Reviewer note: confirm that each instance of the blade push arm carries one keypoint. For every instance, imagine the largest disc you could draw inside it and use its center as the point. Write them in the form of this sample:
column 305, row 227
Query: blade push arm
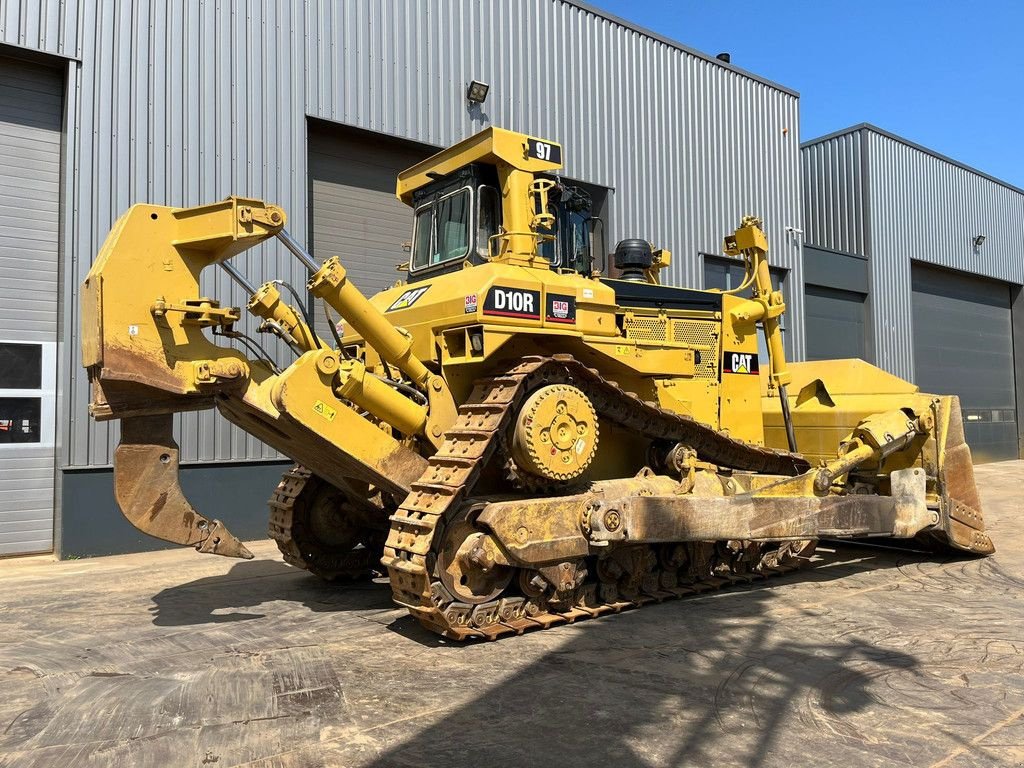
column 765, row 306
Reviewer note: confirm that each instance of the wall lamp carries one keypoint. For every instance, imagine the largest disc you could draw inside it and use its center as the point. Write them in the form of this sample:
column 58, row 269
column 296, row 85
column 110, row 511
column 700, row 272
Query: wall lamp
column 476, row 93
column 979, row 240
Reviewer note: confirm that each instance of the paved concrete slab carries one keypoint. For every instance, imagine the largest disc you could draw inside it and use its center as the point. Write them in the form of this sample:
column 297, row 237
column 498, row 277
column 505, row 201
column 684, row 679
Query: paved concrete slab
column 875, row 658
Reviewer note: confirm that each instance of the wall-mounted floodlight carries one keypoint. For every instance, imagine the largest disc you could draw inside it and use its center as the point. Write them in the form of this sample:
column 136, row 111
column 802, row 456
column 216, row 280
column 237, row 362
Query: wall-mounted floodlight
column 979, row 240
column 476, row 93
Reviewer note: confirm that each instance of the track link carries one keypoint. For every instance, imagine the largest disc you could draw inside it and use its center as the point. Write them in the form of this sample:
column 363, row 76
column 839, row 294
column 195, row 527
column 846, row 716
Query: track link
column 471, row 445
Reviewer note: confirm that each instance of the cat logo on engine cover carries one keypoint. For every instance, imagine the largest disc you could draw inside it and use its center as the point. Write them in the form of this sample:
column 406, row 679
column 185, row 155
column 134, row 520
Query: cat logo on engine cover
column 408, row 298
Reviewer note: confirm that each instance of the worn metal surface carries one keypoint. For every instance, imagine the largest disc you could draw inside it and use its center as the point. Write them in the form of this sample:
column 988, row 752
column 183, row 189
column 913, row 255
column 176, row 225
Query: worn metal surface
column 148, row 493
column 874, row 658
column 149, row 120
column 651, row 510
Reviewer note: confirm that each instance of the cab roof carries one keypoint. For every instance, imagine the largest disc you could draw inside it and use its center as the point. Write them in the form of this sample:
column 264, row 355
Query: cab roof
column 491, row 146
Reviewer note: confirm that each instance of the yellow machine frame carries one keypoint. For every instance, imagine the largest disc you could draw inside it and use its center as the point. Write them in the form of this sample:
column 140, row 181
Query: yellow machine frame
column 381, row 411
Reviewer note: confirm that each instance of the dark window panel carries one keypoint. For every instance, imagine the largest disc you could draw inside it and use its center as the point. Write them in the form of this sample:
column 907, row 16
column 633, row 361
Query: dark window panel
column 19, row 419
column 21, row 366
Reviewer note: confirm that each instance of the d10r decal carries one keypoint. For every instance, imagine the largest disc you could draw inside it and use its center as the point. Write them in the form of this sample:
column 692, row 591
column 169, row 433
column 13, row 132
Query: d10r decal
column 740, row 362
column 513, row 302
column 408, row 298
column 560, row 309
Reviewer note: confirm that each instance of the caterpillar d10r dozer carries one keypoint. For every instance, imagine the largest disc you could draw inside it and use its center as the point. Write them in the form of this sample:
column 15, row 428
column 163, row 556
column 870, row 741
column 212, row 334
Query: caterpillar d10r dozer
column 520, row 439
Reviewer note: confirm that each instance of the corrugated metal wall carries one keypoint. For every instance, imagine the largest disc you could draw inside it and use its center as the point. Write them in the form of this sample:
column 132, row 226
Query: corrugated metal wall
column 870, row 193
column 51, row 26
column 182, row 103
column 833, row 194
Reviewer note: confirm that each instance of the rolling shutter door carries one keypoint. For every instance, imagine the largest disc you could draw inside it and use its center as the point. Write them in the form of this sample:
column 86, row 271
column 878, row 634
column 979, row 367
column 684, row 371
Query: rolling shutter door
column 355, row 214
column 963, row 346
column 834, row 321
column 31, row 108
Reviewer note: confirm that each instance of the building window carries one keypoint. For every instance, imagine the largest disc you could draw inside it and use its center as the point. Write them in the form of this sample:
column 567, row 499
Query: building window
column 27, row 372
column 21, row 365
column 727, row 274
column 20, row 419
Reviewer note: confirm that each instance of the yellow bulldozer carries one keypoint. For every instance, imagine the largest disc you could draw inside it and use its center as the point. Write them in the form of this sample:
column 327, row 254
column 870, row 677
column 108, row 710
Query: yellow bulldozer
column 525, row 431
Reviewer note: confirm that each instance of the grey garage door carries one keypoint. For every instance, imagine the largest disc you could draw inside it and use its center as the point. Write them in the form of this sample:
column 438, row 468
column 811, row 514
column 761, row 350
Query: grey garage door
column 835, row 322
column 31, row 100
column 963, row 346
column 355, row 214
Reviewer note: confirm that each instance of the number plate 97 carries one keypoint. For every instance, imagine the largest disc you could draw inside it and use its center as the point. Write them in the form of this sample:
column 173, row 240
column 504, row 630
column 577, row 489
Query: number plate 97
column 544, row 150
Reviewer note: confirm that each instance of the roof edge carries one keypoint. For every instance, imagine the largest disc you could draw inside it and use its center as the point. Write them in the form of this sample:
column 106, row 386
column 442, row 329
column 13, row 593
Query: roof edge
column 913, row 145
column 583, row 6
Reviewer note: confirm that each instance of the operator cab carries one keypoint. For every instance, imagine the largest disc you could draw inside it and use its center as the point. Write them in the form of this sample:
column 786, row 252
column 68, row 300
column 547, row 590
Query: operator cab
column 458, row 217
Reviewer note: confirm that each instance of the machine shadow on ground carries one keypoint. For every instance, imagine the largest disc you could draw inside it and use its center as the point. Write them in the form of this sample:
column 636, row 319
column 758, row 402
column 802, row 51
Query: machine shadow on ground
column 790, row 671
column 233, row 596
column 685, row 683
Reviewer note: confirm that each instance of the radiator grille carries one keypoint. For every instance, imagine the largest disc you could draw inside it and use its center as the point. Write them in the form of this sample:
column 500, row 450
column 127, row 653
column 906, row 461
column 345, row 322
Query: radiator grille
column 695, row 333
column 646, row 328
column 699, row 335
column 703, row 337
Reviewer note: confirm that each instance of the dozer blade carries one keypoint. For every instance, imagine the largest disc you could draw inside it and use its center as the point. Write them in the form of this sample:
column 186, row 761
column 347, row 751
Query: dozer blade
column 963, row 525
column 149, row 495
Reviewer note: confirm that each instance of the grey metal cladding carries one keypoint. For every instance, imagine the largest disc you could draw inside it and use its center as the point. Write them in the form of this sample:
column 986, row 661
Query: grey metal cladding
column 935, row 209
column 833, row 195
column 928, row 209
column 50, row 26
column 182, row 103
column 869, row 192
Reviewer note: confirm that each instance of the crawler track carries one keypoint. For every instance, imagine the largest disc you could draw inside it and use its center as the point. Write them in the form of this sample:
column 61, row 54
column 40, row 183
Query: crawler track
column 472, row 445
column 290, row 528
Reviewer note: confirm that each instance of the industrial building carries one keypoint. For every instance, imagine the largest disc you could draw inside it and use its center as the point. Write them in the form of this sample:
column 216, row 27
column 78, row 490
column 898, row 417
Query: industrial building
column 316, row 107
column 912, row 261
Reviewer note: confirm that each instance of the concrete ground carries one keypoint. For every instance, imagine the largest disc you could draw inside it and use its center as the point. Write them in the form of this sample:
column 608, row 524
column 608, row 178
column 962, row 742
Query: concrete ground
column 875, row 658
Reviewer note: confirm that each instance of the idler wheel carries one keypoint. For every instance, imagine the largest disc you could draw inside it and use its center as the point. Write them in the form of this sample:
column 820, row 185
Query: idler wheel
column 462, row 566
column 556, row 433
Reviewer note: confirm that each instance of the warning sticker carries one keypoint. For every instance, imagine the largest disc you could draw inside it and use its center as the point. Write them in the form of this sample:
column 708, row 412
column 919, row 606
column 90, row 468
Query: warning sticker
column 324, row 410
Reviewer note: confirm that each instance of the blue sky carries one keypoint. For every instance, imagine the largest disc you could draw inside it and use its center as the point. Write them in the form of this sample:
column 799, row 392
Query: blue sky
column 948, row 75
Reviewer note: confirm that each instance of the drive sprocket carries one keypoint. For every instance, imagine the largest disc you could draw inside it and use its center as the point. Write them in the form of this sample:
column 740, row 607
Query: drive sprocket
column 555, row 434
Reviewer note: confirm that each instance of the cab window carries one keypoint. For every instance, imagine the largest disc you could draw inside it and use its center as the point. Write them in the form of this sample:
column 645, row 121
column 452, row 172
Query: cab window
column 423, row 235
column 488, row 220
column 442, row 230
